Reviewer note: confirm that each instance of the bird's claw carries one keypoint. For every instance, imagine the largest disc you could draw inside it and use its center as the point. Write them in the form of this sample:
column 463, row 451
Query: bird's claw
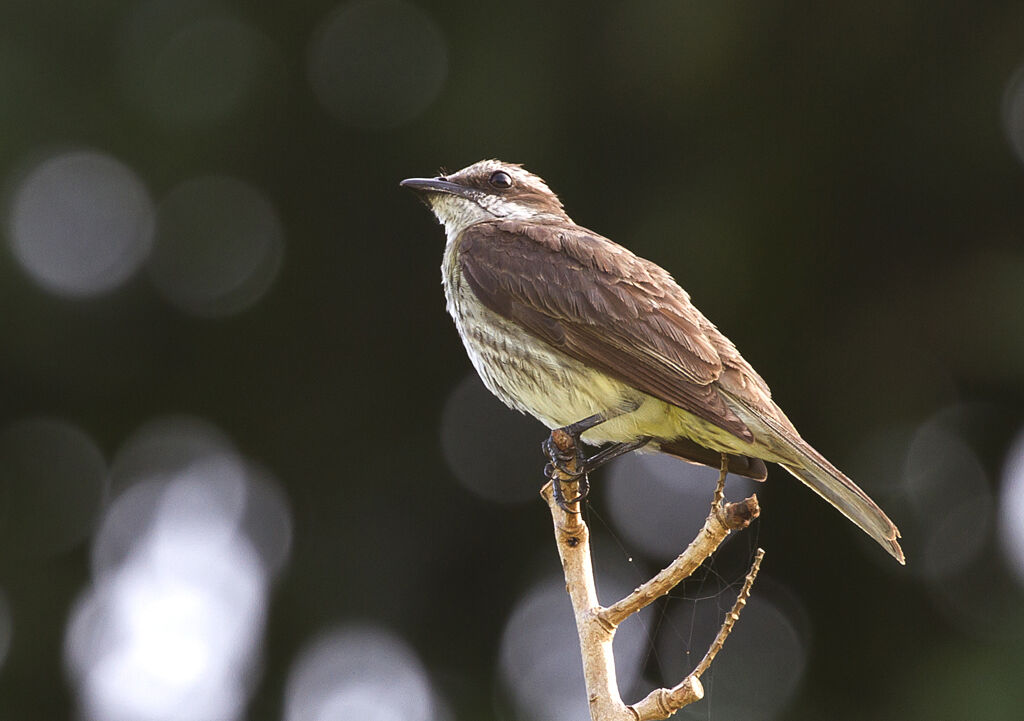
column 583, row 489
column 566, row 465
column 563, row 459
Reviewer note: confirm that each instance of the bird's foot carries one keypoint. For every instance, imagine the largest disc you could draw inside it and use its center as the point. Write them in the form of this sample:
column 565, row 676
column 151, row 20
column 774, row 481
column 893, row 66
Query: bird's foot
column 566, row 464
column 557, row 478
column 564, row 453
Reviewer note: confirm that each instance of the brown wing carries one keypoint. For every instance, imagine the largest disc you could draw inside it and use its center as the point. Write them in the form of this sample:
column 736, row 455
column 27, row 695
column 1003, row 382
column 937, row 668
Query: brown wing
column 598, row 303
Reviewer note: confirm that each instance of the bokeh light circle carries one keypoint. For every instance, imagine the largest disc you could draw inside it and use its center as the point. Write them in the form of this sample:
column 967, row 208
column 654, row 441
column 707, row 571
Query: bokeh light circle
column 760, row 668
column 377, row 63
column 164, row 446
column 658, row 502
column 81, row 223
column 179, row 594
column 219, row 246
column 267, row 518
column 493, row 451
column 154, row 455
column 170, row 448
column 361, row 672
column 1011, row 508
column 194, row 62
column 53, row 485
column 540, row 651
column 945, row 509
column 947, row 492
column 206, row 71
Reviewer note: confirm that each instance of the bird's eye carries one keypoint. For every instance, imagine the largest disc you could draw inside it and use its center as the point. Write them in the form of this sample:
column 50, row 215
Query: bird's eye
column 500, row 179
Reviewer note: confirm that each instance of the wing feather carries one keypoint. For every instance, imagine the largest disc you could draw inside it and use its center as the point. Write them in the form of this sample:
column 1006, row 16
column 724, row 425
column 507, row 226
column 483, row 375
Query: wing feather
column 604, row 306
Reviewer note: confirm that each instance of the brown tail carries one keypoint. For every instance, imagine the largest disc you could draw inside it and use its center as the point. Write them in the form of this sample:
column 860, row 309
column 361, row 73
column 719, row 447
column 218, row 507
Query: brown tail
column 831, row 484
column 795, row 455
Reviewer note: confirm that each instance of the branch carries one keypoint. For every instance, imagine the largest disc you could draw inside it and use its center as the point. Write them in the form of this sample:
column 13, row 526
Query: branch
column 733, row 617
column 662, row 703
column 722, row 520
column 596, row 625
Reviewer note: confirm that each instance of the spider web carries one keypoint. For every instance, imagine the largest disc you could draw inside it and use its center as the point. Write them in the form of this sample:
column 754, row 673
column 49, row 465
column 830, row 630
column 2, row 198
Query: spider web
column 680, row 626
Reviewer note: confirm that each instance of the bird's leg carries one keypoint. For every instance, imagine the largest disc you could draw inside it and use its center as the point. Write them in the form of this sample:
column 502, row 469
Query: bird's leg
column 563, row 447
column 567, row 463
column 613, row 451
column 595, row 461
column 719, row 496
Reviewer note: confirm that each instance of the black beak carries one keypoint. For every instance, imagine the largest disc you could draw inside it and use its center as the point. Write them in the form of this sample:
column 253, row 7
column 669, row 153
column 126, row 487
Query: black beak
column 438, row 185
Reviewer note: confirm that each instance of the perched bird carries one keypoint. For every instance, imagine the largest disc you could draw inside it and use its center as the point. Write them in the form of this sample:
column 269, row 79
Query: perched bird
column 585, row 336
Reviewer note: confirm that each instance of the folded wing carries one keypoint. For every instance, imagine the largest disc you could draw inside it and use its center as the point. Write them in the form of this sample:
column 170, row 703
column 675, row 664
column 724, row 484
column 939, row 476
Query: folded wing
column 599, row 303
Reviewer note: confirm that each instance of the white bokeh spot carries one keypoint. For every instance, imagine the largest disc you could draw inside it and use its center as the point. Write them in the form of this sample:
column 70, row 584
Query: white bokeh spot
column 658, row 502
column 219, row 246
column 1011, row 508
column 80, row 223
column 540, row 652
column 359, row 671
column 180, row 581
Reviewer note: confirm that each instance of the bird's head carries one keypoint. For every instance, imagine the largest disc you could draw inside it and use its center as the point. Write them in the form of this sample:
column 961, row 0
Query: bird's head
column 487, row 190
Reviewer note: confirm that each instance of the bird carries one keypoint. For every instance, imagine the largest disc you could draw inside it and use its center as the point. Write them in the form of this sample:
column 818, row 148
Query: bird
column 576, row 330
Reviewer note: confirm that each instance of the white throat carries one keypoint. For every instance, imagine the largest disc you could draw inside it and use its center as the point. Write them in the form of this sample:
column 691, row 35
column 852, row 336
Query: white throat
column 457, row 213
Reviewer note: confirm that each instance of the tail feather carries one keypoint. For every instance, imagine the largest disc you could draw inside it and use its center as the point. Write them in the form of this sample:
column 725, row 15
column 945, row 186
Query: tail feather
column 831, row 484
column 774, row 431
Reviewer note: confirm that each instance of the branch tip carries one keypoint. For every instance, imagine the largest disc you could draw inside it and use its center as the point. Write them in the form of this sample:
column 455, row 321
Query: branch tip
column 562, row 440
column 739, row 515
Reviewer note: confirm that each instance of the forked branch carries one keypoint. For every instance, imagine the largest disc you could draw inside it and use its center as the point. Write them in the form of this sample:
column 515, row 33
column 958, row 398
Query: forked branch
column 596, row 625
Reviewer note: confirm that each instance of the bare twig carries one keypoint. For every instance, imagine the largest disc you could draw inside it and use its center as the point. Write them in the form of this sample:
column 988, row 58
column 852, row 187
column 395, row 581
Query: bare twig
column 733, row 617
column 596, row 625
column 720, row 522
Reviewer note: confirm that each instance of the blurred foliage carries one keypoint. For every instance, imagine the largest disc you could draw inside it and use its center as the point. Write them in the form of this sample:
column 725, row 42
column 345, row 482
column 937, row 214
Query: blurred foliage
column 832, row 183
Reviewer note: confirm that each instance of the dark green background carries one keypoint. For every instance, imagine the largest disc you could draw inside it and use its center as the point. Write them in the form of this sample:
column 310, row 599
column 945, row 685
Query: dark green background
column 831, row 182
